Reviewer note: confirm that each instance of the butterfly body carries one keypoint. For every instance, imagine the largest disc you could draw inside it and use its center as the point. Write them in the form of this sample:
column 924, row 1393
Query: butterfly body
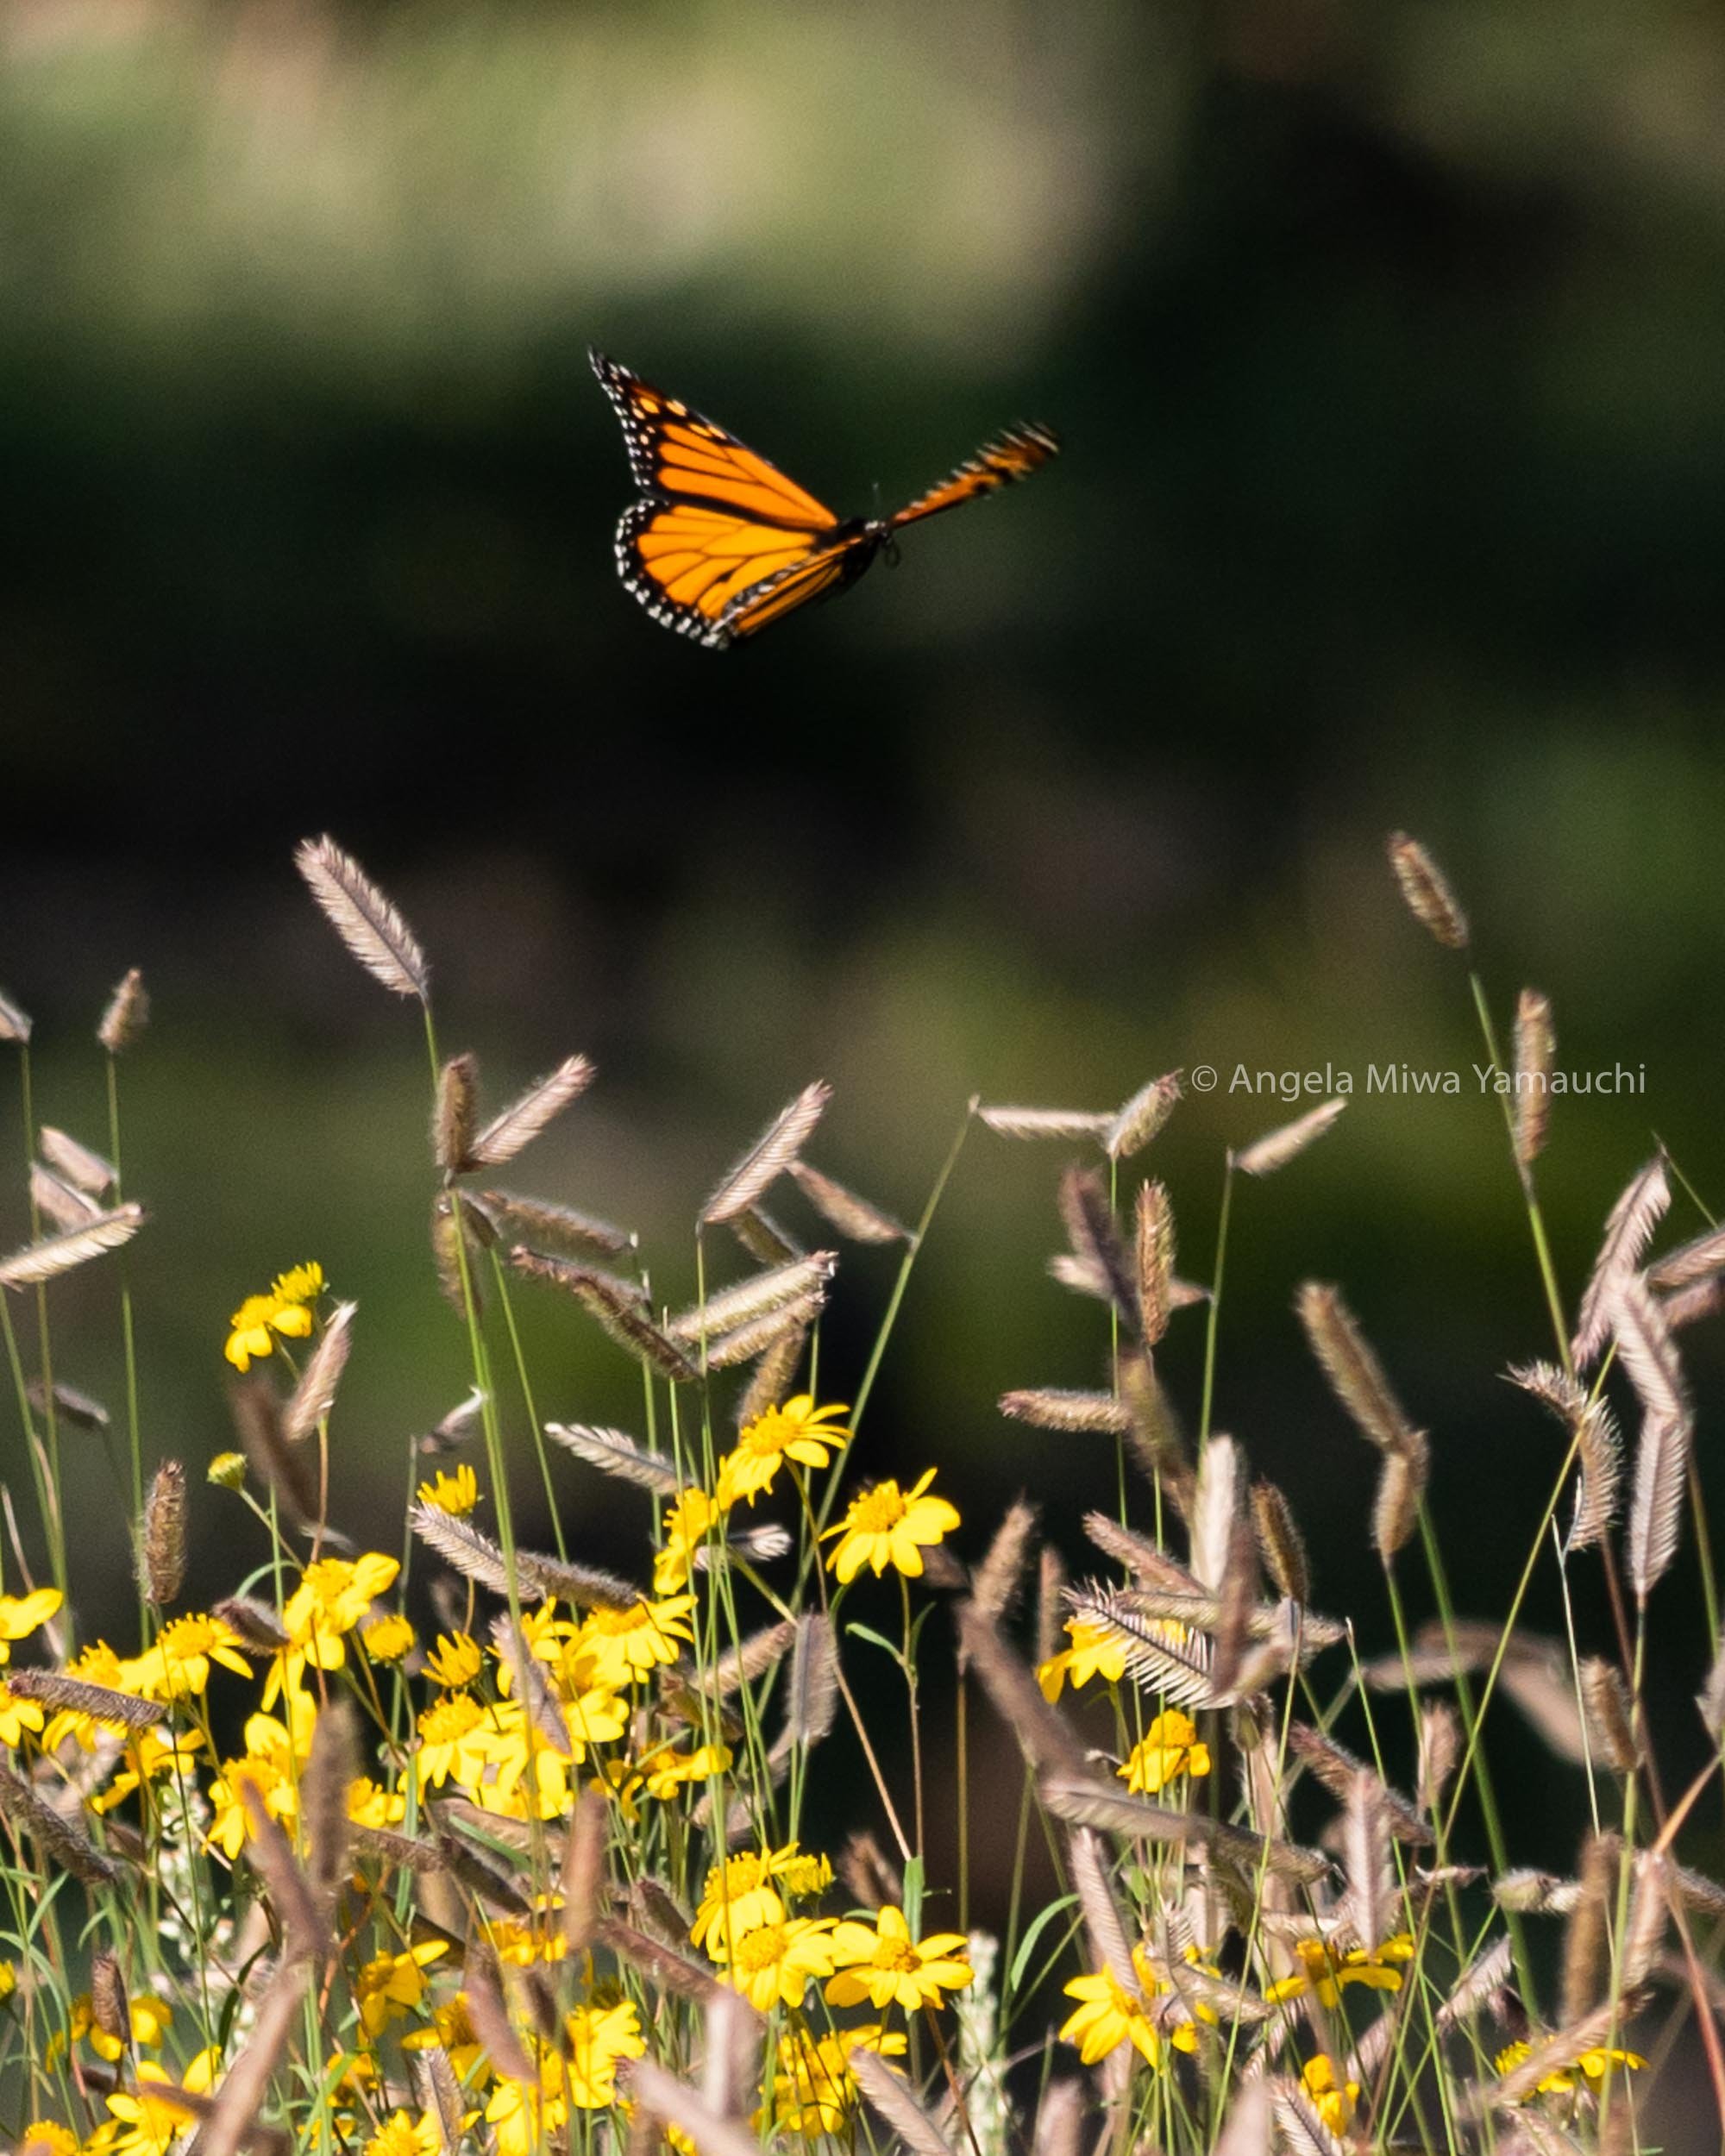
column 722, row 542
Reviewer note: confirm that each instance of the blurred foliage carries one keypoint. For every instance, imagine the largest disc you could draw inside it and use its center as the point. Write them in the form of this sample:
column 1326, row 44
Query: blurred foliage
column 1389, row 346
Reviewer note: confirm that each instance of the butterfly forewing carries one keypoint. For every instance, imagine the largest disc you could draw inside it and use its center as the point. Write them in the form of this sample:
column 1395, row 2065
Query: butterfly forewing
column 1014, row 455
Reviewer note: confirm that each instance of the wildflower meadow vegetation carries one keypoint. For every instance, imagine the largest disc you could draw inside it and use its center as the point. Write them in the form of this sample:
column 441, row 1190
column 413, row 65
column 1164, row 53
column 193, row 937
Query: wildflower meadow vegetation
column 423, row 1840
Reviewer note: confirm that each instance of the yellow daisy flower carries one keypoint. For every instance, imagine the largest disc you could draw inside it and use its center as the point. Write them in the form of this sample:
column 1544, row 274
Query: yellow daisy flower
column 390, row 1986
column 1170, row 1749
column 616, row 1648
column 1334, row 2101
column 22, row 1614
column 814, row 2091
column 691, row 1518
column 455, row 1494
column 401, row 2134
column 885, row 1965
column 799, row 1431
column 177, row 1666
column 1093, row 1654
column 744, row 1892
column 283, row 1310
column 454, row 1662
column 773, row 1964
column 1328, row 1972
column 888, row 1526
column 599, row 2035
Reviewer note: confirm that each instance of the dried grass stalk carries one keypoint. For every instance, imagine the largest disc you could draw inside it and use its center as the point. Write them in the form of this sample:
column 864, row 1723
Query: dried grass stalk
column 58, row 1254
column 774, row 1376
column 616, row 1307
column 765, row 1240
column 771, row 1153
column 128, row 1013
column 305, row 1931
column 75, row 1406
column 1586, row 1941
column 14, row 1024
column 257, row 1623
column 889, row 2095
column 742, row 1346
column 812, row 1690
column 1598, row 1444
column 1400, row 1491
column 363, row 917
column 1355, row 1376
column 997, row 1580
column 161, row 1545
column 1051, row 1407
column 529, row 1684
column 665, row 1966
column 1370, row 1897
column 57, row 1840
column 1300, row 2130
column 1276, row 1148
column 1035, row 1123
column 256, row 1408
column 855, row 1218
column 662, row 2096
column 1650, row 1909
column 1439, row 1754
column 1631, row 1223
column 1137, row 1121
column 1554, row 2055
column 77, row 1695
column 759, row 1296
column 1649, row 1354
column 1050, row 1582
column 455, row 1113
column 1702, row 1259
column 1060, row 2118
column 86, row 1171
column 1337, row 1768
column 510, row 1131
column 1089, row 1857
column 1279, row 1542
column 1535, row 1055
column 1154, row 1439
column 492, row 2024
column 230, row 2119
column 563, row 1230
column 1427, row 891
column 109, row 2006
column 1153, row 1216
column 1246, row 2130
column 313, row 1396
column 62, row 1205
column 1609, row 1715
column 1139, row 1555
column 581, row 1880
column 1215, row 1509
column 1095, row 1239
column 615, row 1453
column 1044, row 1737
column 330, row 1770
column 476, row 1557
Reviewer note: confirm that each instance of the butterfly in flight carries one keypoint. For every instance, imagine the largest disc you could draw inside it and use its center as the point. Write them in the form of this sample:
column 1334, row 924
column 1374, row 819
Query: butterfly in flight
column 722, row 542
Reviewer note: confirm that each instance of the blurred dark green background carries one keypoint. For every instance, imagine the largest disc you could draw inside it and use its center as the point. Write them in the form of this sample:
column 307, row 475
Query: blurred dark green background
column 1387, row 344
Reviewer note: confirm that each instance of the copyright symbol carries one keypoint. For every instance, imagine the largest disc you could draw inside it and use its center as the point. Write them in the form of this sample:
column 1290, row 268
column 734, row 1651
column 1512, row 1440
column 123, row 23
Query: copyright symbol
column 1204, row 1078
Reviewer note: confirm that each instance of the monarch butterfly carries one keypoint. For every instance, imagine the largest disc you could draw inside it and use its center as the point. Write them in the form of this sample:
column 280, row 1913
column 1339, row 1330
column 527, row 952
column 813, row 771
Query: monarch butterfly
column 723, row 543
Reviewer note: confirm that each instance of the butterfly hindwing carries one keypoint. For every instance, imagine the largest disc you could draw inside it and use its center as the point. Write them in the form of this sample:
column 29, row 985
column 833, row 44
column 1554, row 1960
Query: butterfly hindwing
column 688, row 564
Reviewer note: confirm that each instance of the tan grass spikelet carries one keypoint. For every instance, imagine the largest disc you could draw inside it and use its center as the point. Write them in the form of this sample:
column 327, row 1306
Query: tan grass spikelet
column 60, row 1203
column 1609, row 1716
column 1337, row 1768
column 312, row 1399
column 1639, row 1210
column 1439, row 1754
column 1054, row 1407
column 455, row 1113
column 514, row 1128
column 1598, row 1443
column 762, row 1295
column 14, row 1024
column 290, row 1473
column 889, row 2095
column 1279, row 1542
column 1045, row 1737
column 1710, row 1700
column 1060, row 2119
column 127, row 1014
column 1154, row 1248
column 1426, row 892
column 476, row 1557
column 305, row 1931
column 1050, row 1583
column 1703, row 1259
column 1535, row 1058
column 769, row 1156
column 1045, row 1123
column 58, row 1840
column 581, row 1877
column 109, row 2006
column 77, row 1695
column 331, row 1769
column 363, row 917
column 563, row 1230
column 1138, row 1120
column 855, row 1217
column 161, row 1544
column 1095, row 1239
column 56, row 1254
column 71, row 1405
column 230, row 2119
column 1586, row 1935
column 1649, row 1357
column 770, row 1384
column 1087, row 1859
column 614, row 1452
column 1355, row 1376
column 85, row 1170
column 1286, row 1142
column 1246, row 2130
column 996, row 1583
column 1153, row 1437
column 742, row 1344
column 1178, row 1670
column 1401, row 1492
column 615, row 1305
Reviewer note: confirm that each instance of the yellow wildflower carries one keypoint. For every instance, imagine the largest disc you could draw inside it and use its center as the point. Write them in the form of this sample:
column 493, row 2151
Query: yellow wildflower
column 887, row 1966
column 401, row 2134
column 227, row 1470
column 177, row 1666
column 799, row 1431
column 283, row 1310
column 16, row 1716
column 146, row 2122
column 454, row 1662
column 1328, row 1972
column 888, row 1526
column 619, row 1647
column 1170, row 1748
column 387, row 1638
column 147, row 1754
column 1332, row 2100
column 47, row 2137
column 390, row 1986
column 1109, row 2016
column 814, row 2091
column 599, row 2034
column 371, row 1805
column 691, row 1518
column 1093, row 1654
column 772, row 1965
column 1593, row 2066
column 740, row 1894
column 455, row 1494
column 22, row 1614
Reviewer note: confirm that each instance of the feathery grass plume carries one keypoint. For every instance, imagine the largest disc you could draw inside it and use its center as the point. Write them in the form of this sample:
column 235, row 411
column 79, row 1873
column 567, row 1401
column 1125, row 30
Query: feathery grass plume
column 812, row 1690
column 1085, row 1801
column 1300, row 2130
column 161, row 1543
column 1088, row 1857
column 615, row 1453
column 1609, row 1717
column 1554, row 2054
column 1702, row 1259
column 770, row 1383
column 1400, row 1491
column 127, row 1015
column 766, row 1241
column 1599, row 1446
column 74, row 1407
column 14, row 1024
column 1689, row 1306
column 1534, row 1673
column 855, row 1218
column 455, row 1113
column 363, row 917
column 749, row 1659
column 869, row 1875
column 667, row 1967
column 476, row 1557
column 1439, row 1754
column 306, row 1930
column 1279, row 1542
column 1246, row 2130
column 529, row 1684
column 1369, row 1902
column 77, row 1695
column 581, row 1880
column 437, row 2092
column 256, row 1409
column 563, row 1230
column 451, row 1244
column 56, row 1839
column 1153, row 1216
column 1650, row 1909
column 456, row 1429
column 1235, row 1610
column 616, row 1307
column 1710, row 1700
column 331, row 1769
column 1050, row 1584
column 58, row 1254
column 1154, row 1437
column 768, row 1157
column 313, row 1396
column 995, row 1583
column 61, row 1206
column 1060, row 2119
column 1648, row 1354
column 1155, row 1661
column 86, row 1171
column 762, row 1295
column 1044, row 1736
column 257, row 1624
column 1215, row 1509
column 1355, row 1376
column 1096, row 1238
column 1426, row 893
column 888, row 2095
column 1628, row 1228
column 1337, row 1768
column 1586, row 1935
column 1277, row 1147
column 1033, row 1122
column 1531, row 1893
column 754, row 1338
column 109, row 2006
column 1137, row 1120
column 492, row 2024
column 1139, row 1555
column 1478, row 1984
column 515, row 1127
column 672, row 2102
column 1053, row 1407
column 229, row 2119
column 730, row 2068
column 1536, row 1049
column 486, row 1873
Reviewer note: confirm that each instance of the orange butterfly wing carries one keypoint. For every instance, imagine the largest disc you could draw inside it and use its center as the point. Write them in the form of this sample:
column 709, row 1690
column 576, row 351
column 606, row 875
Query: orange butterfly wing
column 1013, row 455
